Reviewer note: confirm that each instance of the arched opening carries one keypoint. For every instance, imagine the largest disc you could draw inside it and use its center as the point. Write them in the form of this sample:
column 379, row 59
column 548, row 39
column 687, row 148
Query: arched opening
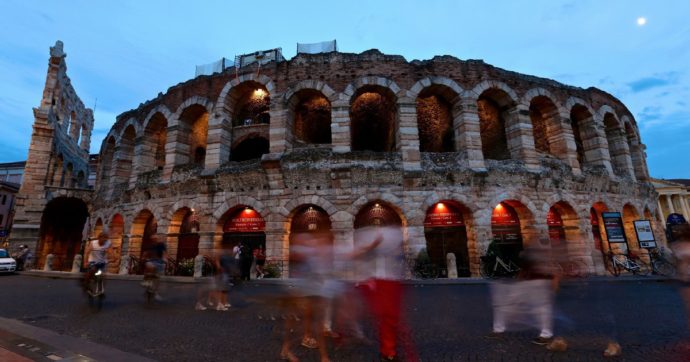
column 61, row 231
column 81, row 180
column 252, row 147
column 183, row 241
column 106, row 161
column 636, row 155
column 192, row 134
column 243, row 224
column 58, row 171
column 376, row 219
column 250, row 103
column 309, row 224
column 492, row 107
column 545, row 125
column 141, row 240
column 125, row 156
column 445, row 233
column 74, row 131
column 616, row 142
column 115, row 231
column 155, row 136
column 311, row 114
column 580, row 121
column 373, row 117
column 564, row 229
column 435, row 119
column 512, row 226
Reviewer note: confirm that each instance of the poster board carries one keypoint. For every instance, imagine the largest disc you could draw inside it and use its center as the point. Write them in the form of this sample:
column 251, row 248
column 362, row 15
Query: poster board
column 613, row 224
column 645, row 235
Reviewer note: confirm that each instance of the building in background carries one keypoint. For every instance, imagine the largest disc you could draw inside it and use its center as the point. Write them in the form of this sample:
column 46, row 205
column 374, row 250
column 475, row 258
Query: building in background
column 8, row 192
column 674, row 197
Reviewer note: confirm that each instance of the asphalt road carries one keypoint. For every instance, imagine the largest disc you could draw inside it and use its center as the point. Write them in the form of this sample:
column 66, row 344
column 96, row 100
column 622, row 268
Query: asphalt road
column 447, row 322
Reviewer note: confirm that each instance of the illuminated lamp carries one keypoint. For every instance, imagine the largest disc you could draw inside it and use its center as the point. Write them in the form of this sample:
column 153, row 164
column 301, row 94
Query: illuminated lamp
column 440, row 206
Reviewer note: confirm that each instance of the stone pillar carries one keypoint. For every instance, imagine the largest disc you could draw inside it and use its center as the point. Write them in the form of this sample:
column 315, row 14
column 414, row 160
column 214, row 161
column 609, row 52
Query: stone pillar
column 669, row 202
column 277, row 247
column 660, row 212
column 343, row 239
column 277, row 131
column 206, row 243
column 141, row 160
column 594, row 144
column 124, row 265
column 49, row 262
column 340, row 126
column 468, row 140
column 408, row 135
column 520, row 137
column 451, row 266
column 198, row 266
column 76, row 263
column 175, row 153
column 218, row 141
column 562, row 141
column 620, row 154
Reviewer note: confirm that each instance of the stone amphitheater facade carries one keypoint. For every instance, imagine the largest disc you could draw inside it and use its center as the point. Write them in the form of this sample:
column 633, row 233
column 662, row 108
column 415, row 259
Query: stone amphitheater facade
column 339, row 141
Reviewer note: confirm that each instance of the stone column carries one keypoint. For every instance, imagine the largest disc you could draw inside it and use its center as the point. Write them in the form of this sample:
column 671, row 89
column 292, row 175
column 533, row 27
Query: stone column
column 520, row 137
column 468, row 140
column 206, row 243
column 594, row 144
column 684, row 207
column 620, row 153
column 218, row 142
column 669, row 202
column 277, row 132
column 562, row 141
column 340, row 126
column 343, row 239
column 141, row 160
column 174, row 152
column 277, row 247
column 408, row 135
column 660, row 211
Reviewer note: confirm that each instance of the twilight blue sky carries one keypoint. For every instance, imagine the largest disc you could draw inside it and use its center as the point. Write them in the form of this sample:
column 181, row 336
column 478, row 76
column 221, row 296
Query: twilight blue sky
column 125, row 52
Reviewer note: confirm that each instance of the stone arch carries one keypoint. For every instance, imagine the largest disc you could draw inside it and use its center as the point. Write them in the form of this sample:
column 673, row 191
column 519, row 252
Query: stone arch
column 495, row 103
column 388, row 198
column 438, row 107
column 134, row 124
column 162, row 109
column 631, row 213
column 232, row 201
column 311, row 84
column 249, row 146
column 116, row 230
column 153, row 142
column 636, row 148
column 142, row 228
column 188, row 203
column 617, row 143
column 545, row 116
column 309, row 114
column 124, row 161
column 221, row 102
column 374, row 114
column 308, row 199
column 541, row 92
column 585, row 134
column 565, row 230
column 106, row 161
column 189, row 132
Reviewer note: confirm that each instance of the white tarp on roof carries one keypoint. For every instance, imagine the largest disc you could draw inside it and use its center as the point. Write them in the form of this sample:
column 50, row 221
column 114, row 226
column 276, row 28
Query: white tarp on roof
column 215, row 67
column 316, row 48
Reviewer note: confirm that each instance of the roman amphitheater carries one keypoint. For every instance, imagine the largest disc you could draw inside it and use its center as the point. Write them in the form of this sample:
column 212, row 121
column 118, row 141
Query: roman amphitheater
column 459, row 153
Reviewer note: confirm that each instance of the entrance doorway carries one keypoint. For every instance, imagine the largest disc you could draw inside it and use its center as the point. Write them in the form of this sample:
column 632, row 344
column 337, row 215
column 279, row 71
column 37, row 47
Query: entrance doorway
column 310, row 223
column 445, row 233
column 507, row 235
column 244, row 225
column 61, row 231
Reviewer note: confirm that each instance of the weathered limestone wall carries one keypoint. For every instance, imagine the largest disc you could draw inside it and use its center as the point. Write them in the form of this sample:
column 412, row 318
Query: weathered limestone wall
column 535, row 174
column 59, row 150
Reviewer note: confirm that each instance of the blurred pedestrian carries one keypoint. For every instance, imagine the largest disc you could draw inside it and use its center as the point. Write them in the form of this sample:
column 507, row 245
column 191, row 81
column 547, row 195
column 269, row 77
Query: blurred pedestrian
column 260, row 257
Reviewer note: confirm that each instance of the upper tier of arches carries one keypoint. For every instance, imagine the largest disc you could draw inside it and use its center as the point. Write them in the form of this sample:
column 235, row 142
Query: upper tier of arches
column 488, row 122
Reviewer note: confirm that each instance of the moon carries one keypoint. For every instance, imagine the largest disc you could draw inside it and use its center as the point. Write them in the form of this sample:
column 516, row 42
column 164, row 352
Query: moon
column 641, row 21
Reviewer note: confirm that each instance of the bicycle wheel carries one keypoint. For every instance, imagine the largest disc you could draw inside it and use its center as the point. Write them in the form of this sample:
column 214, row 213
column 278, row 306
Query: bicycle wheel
column 485, row 270
column 612, row 267
column 664, row 268
column 642, row 268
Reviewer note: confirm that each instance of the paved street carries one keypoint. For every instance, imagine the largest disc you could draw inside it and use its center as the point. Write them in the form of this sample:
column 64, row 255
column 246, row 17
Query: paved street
column 448, row 322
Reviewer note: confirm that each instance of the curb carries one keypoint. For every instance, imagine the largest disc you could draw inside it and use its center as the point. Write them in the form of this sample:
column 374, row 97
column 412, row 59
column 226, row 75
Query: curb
column 288, row 281
column 71, row 348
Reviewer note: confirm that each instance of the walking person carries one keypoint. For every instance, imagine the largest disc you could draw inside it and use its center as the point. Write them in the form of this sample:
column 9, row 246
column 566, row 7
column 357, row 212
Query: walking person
column 260, row 258
column 246, row 260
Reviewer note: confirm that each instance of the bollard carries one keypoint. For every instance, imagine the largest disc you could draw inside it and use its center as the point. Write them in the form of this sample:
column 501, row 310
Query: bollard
column 76, row 264
column 124, row 265
column 49, row 263
column 451, row 266
column 198, row 266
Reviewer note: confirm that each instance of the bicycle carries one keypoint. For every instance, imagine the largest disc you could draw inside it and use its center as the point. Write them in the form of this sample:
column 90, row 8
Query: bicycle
column 659, row 264
column 615, row 263
column 495, row 266
column 95, row 288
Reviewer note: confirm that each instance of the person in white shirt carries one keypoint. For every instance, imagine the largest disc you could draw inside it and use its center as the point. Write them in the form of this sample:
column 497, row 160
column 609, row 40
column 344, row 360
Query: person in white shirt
column 97, row 250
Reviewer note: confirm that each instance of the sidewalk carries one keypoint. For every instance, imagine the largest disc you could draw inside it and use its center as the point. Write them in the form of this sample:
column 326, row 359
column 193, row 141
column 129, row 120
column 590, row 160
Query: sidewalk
column 28, row 343
column 288, row 281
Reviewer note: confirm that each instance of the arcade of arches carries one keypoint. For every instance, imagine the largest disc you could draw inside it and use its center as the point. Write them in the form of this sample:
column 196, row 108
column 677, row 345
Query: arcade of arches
column 449, row 227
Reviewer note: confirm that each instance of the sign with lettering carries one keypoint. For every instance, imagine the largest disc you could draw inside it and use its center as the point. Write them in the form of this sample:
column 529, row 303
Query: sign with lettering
column 441, row 215
column 247, row 220
column 645, row 235
column 613, row 224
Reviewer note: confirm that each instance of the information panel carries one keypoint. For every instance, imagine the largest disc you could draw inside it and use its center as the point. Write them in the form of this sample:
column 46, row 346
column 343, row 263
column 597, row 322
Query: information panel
column 645, row 235
column 613, row 224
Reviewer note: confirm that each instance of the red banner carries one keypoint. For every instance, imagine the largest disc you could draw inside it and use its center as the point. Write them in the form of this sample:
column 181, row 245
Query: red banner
column 504, row 215
column 443, row 215
column 553, row 218
column 245, row 221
